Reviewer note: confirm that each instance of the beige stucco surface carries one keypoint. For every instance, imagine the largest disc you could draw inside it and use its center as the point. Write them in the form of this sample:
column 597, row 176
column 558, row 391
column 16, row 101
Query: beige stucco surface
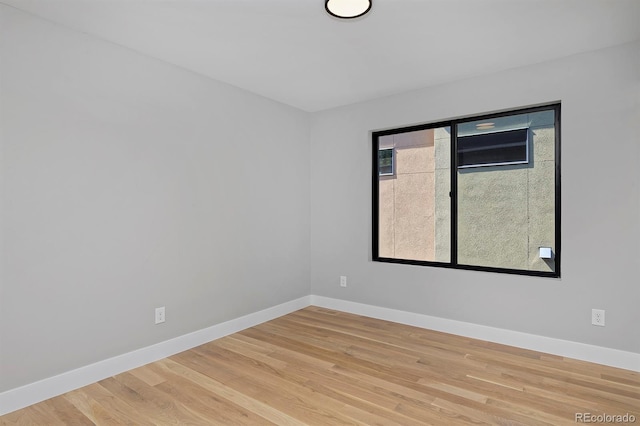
column 493, row 217
column 442, row 145
column 406, row 212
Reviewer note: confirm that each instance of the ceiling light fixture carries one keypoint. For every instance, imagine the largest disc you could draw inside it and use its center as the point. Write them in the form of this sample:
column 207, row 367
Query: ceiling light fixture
column 347, row 9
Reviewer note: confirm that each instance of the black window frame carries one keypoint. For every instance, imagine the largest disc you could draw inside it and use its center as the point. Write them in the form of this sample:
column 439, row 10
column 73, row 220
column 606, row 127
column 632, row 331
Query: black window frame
column 453, row 125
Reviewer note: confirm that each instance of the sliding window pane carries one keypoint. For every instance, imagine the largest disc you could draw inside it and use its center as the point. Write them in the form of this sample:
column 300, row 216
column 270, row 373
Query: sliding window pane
column 414, row 207
column 506, row 192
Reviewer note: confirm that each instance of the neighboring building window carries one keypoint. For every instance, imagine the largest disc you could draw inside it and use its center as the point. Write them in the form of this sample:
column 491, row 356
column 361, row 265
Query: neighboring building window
column 477, row 193
column 493, row 149
column 385, row 161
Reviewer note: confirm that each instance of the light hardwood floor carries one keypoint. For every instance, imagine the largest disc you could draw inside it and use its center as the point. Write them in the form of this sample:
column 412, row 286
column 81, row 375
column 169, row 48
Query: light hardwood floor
column 323, row 367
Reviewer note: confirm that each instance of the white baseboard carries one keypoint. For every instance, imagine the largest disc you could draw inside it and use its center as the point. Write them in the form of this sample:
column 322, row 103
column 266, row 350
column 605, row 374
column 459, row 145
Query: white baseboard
column 565, row 348
column 33, row 393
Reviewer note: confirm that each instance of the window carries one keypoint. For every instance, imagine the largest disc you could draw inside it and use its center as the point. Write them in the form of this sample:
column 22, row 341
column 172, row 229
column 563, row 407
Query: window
column 478, row 193
column 493, row 149
column 385, row 161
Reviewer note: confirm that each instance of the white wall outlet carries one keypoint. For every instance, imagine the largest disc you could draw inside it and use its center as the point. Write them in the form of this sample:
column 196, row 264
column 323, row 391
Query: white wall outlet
column 343, row 281
column 597, row 317
column 160, row 315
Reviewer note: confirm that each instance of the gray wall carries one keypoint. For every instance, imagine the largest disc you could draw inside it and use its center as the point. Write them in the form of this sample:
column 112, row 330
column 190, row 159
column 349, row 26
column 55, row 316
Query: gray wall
column 600, row 204
column 127, row 184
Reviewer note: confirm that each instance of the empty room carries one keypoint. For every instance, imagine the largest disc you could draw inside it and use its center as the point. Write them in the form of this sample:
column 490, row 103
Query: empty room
column 385, row 212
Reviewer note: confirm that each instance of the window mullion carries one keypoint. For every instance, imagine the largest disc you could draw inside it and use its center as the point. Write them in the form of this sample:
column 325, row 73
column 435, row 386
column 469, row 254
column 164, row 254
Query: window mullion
column 454, row 193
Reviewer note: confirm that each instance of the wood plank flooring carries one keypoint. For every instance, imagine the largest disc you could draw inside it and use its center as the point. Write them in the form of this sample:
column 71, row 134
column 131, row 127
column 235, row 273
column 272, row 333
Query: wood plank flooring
column 322, row 367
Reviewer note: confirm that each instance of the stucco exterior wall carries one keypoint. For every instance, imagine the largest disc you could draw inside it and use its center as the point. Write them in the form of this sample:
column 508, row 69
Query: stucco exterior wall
column 407, row 211
column 443, row 199
column 386, row 207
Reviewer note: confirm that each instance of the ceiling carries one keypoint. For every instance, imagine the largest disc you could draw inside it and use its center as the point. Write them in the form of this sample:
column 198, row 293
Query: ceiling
column 292, row 51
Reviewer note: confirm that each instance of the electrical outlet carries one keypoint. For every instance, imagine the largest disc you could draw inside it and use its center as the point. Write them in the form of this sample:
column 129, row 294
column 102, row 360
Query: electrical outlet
column 160, row 315
column 597, row 317
column 343, row 281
